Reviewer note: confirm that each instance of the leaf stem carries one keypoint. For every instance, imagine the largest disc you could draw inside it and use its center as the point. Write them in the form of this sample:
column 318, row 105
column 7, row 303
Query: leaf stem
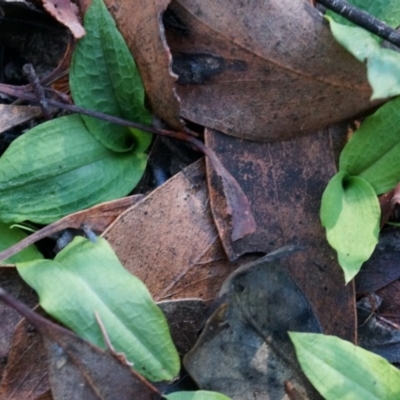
column 363, row 19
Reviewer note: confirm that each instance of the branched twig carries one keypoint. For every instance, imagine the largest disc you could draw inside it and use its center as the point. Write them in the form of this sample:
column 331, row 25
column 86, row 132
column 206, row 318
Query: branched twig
column 363, row 19
column 37, row 89
column 243, row 222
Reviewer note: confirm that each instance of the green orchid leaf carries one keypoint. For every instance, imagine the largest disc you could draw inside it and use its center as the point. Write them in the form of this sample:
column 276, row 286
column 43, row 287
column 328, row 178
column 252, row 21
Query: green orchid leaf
column 104, row 78
column 58, row 168
column 373, row 152
column 86, row 277
column 340, row 370
column 383, row 65
column 199, row 395
column 10, row 236
column 350, row 212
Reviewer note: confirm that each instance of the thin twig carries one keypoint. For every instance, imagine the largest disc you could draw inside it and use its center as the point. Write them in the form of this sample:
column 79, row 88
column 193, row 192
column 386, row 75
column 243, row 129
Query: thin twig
column 363, row 19
column 37, row 89
column 243, row 222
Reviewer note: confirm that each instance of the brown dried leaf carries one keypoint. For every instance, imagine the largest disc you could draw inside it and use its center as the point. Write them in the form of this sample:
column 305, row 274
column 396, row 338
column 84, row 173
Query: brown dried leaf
column 185, row 320
column 140, row 24
column 244, row 350
column 261, row 70
column 12, row 115
column 383, row 267
column 9, row 318
column 25, row 377
column 284, row 182
column 97, row 218
column 65, row 12
column 79, row 370
column 169, row 240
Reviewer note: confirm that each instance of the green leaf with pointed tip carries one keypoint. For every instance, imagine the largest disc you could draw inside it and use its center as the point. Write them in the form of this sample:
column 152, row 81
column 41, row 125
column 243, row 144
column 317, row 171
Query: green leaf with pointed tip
column 350, row 212
column 9, row 237
column 383, row 65
column 199, row 395
column 104, row 78
column 86, row 277
column 58, row 168
column 373, row 152
column 340, row 370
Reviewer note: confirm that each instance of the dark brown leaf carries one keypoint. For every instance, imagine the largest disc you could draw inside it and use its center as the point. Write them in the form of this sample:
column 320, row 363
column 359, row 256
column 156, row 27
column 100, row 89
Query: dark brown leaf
column 262, row 70
column 383, row 267
column 9, row 318
column 185, row 320
column 25, row 377
column 79, row 370
column 284, row 182
column 244, row 350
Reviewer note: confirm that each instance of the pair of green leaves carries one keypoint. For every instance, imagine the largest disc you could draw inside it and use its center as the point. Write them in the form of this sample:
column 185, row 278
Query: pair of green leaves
column 75, row 162
column 383, row 64
column 369, row 164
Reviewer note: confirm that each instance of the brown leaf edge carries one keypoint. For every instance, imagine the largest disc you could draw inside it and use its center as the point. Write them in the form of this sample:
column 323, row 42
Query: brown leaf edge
column 109, row 210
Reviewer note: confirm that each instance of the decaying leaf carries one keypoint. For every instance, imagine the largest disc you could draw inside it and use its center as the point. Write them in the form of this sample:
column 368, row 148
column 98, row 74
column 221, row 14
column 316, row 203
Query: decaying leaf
column 65, row 12
column 25, row 377
column 79, row 370
column 9, row 318
column 13, row 115
column 377, row 336
column 284, row 182
column 264, row 71
column 244, row 350
column 97, row 218
column 185, row 319
column 169, row 240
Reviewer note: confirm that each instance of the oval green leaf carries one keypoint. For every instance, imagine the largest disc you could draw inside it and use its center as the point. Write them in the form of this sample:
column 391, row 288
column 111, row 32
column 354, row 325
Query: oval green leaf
column 199, row 395
column 340, row 370
column 104, row 78
column 373, row 152
column 350, row 212
column 58, row 168
column 10, row 236
column 86, row 277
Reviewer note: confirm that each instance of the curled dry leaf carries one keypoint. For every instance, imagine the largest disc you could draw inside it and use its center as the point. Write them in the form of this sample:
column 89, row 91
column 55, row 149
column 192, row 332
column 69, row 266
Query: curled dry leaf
column 261, row 70
column 284, row 182
column 65, row 12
